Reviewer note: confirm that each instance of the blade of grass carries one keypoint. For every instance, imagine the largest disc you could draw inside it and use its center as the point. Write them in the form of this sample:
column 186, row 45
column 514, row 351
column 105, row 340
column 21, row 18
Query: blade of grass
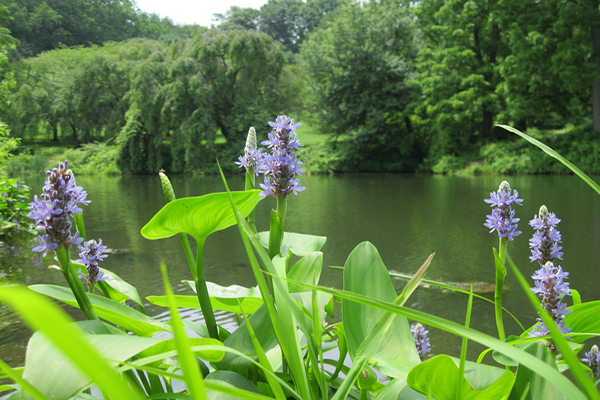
column 463, row 348
column 187, row 359
column 41, row 314
column 562, row 383
column 586, row 384
column 25, row 385
column 552, row 153
column 458, row 290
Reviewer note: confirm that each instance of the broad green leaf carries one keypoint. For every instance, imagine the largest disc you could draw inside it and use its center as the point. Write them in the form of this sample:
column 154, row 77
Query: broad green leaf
column 118, row 289
column 110, row 310
column 232, row 379
column 307, row 269
column 226, row 297
column 49, row 369
column 199, row 216
column 552, row 153
column 168, row 345
column 365, row 274
column 224, row 304
column 584, row 319
column 298, row 243
column 537, row 387
column 20, row 382
column 41, row 314
column 438, row 377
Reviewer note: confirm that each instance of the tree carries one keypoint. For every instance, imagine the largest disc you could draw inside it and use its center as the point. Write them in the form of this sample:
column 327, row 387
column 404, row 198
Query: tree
column 359, row 65
column 238, row 18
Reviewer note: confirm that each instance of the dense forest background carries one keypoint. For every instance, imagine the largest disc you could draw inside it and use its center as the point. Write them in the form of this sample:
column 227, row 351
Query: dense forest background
column 381, row 86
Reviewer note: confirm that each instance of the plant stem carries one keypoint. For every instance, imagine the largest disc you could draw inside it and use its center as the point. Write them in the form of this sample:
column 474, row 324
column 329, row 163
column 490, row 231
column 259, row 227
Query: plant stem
column 500, row 275
column 250, row 185
column 282, row 208
column 202, row 293
column 64, row 259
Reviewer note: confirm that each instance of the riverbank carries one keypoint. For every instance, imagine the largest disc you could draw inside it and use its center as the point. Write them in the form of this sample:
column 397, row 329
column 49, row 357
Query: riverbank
column 323, row 154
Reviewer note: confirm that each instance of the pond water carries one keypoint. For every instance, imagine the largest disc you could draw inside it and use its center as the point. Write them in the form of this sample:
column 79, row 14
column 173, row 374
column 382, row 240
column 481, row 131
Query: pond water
column 407, row 217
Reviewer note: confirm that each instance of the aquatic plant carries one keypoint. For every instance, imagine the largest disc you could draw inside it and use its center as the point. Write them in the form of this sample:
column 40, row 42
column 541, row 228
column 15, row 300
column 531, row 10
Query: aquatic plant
column 285, row 346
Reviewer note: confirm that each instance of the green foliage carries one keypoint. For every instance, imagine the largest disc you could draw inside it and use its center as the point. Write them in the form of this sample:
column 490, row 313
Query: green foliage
column 358, row 68
column 14, row 206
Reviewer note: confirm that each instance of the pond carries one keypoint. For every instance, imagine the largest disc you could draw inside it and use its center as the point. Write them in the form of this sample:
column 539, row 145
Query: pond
column 407, row 217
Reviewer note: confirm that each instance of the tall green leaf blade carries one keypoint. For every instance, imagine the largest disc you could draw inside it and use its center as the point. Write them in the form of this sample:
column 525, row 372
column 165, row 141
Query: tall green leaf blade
column 41, row 314
column 307, row 269
column 199, row 216
column 552, row 153
column 365, row 274
column 538, row 387
column 108, row 309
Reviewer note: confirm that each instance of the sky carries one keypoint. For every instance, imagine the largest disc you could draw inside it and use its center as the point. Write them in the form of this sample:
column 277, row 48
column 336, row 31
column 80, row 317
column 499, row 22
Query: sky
column 193, row 11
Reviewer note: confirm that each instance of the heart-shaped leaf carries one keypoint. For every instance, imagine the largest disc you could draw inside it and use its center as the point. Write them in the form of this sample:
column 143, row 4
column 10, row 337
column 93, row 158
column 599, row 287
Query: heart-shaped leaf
column 199, row 216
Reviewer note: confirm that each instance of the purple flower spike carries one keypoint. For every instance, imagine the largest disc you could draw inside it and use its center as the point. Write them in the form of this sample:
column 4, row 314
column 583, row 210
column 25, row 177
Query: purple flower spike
column 281, row 166
column 91, row 254
column 592, row 360
column 551, row 287
column 421, row 340
column 53, row 211
column 545, row 241
column 503, row 218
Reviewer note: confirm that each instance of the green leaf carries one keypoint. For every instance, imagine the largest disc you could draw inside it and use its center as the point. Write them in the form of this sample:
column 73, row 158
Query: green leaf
column 48, row 368
column 110, row 310
column 307, row 269
column 199, row 216
column 552, row 153
column 231, row 379
column 41, row 314
column 226, row 297
column 438, row 377
column 531, row 386
column 16, row 377
column 365, row 274
column 299, row 244
column 275, row 234
column 118, row 289
column 584, row 319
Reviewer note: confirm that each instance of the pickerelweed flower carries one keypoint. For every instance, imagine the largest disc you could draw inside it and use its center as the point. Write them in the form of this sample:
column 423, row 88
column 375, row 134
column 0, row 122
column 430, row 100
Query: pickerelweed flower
column 54, row 209
column 592, row 360
column 281, row 166
column 545, row 241
column 503, row 218
column 252, row 157
column 551, row 287
column 91, row 253
column 421, row 340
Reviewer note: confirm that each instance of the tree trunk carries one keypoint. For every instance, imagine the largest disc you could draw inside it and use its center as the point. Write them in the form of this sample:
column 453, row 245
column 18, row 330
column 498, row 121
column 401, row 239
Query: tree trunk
column 54, row 132
column 487, row 124
column 596, row 86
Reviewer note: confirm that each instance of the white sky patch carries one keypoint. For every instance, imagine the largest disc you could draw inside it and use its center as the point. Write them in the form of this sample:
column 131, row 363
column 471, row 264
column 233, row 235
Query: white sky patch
column 194, row 12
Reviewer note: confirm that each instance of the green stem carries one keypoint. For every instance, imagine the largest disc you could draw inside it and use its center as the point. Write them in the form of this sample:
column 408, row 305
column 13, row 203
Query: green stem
column 282, row 208
column 64, row 259
column 202, row 293
column 500, row 275
column 251, row 185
